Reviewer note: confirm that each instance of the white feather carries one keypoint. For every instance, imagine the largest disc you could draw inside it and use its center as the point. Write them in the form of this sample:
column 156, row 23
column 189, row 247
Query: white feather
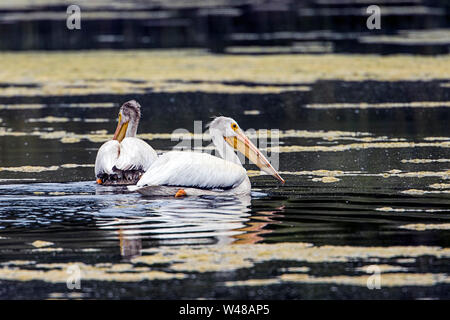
column 107, row 156
column 130, row 154
column 192, row 169
column 135, row 154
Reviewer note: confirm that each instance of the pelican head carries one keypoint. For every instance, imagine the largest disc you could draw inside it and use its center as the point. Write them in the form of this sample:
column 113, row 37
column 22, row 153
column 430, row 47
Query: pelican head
column 236, row 138
column 129, row 115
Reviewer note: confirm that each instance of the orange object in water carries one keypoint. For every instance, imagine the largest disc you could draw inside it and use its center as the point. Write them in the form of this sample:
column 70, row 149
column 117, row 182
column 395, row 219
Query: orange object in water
column 180, row 193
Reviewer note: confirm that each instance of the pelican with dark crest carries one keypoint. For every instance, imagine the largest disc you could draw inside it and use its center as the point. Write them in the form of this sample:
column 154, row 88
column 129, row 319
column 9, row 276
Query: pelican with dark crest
column 125, row 158
column 182, row 173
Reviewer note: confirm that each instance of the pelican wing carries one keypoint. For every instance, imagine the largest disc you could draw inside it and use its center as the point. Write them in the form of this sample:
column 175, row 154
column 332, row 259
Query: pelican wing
column 135, row 154
column 192, row 169
column 107, row 156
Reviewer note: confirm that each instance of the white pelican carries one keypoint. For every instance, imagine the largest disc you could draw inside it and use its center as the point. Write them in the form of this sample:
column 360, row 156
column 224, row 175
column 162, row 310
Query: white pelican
column 124, row 159
column 182, row 173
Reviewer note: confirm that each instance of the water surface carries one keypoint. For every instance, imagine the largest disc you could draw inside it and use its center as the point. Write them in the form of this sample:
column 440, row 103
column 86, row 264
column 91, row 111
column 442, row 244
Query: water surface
column 359, row 121
column 365, row 185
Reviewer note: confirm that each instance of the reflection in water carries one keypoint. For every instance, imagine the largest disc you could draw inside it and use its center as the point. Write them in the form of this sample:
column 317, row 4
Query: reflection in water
column 254, row 230
column 170, row 221
column 191, row 220
column 67, row 213
column 130, row 247
column 110, row 214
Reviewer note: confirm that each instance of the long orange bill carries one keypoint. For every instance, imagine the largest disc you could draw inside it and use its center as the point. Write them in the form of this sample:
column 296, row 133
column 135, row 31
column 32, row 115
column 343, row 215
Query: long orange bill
column 243, row 144
column 121, row 130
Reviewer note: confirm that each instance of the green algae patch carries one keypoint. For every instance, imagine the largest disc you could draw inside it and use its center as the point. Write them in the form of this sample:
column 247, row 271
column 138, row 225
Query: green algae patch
column 440, row 186
column 388, row 174
column 28, row 169
column 18, row 263
column 358, row 146
column 22, row 179
column 390, row 276
column 326, row 179
column 390, row 209
column 386, row 279
column 52, row 119
column 77, row 165
column 386, row 105
column 21, row 106
column 410, row 37
column 167, row 263
column 234, row 257
column 421, row 161
column 41, row 244
column 419, row 192
column 58, row 274
column 424, row 227
column 48, row 250
column 106, row 72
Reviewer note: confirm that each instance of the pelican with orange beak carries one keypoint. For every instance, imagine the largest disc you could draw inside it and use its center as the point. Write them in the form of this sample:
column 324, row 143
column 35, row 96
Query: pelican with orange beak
column 125, row 158
column 182, row 173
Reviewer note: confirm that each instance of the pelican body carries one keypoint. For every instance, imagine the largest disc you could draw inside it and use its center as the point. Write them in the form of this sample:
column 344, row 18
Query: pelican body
column 182, row 173
column 125, row 158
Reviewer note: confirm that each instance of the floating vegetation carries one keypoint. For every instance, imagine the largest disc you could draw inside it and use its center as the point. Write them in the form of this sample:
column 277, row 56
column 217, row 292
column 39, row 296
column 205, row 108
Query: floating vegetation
column 387, row 280
column 21, row 106
column 367, row 179
column 385, row 105
column 66, row 295
column 230, row 258
column 57, row 273
column 424, row 227
column 89, row 105
column 29, row 169
column 15, row 180
column 34, row 169
column 424, row 160
column 252, row 112
column 103, row 135
column 228, row 88
column 179, row 260
column 77, row 165
column 48, row 250
column 409, row 37
column 358, row 146
column 418, row 192
column 51, row 119
column 389, row 174
column 41, row 244
column 390, row 209
column 326, row 179
column 96, row 72
column 18, row 262
column 8, row 132
column 440, row 186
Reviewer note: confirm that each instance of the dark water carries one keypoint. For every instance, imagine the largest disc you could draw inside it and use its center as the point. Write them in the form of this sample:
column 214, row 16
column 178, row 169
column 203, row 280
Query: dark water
column 366, row 208
column 313, row 26
column 367, row 182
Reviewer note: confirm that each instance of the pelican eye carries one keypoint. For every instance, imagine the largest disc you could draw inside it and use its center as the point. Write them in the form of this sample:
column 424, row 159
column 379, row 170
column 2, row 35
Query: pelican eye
column 234, row 126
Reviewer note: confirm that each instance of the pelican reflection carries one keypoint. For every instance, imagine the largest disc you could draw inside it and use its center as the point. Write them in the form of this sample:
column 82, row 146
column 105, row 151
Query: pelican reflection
column 142, row 222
